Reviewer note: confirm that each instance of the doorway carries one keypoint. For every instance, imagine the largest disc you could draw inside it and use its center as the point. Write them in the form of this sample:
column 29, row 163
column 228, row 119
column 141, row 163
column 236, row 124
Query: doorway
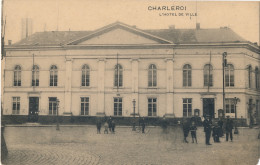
column 33, row 109
column 209, row 107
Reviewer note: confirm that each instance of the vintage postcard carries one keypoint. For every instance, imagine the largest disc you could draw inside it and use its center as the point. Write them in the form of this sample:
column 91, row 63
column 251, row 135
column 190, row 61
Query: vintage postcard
column 130, row 82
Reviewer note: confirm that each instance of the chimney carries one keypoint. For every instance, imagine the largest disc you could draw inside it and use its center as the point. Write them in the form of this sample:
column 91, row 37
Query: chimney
column 197, row 26
column 172, row 27
column 9, row 42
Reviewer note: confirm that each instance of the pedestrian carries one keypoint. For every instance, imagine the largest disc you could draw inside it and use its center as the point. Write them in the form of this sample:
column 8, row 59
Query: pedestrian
column 207, row 129
column 110, row 123
column 164, row 124
column 216, row 132
column 186, row 129
column 229, row 128
column 106, row 128
column 143, row 125
column 98, row 126
column 220, row 124
column 193, row 130
column 113, row 125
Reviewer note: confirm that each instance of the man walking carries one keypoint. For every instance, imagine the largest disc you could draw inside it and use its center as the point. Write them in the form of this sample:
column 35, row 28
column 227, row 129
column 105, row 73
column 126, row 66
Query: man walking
column 207, row 129
column 229, row 127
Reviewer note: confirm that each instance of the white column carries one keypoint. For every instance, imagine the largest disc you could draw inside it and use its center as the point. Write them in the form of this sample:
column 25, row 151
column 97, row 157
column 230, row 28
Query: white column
column 169, row 87
column 135, row 80
column 101, row 86
column 67, row 108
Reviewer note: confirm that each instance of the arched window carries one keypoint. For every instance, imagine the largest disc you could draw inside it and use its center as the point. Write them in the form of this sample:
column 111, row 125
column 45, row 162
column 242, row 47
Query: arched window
column 187, row 75
column 53, row 76
column 85, row 75
column 208, row 75
column 118, row 81
column 152, row 76
column 250, row 76
column 17, row 75
column 256, row 78
column 229, row 75
column 35, row 75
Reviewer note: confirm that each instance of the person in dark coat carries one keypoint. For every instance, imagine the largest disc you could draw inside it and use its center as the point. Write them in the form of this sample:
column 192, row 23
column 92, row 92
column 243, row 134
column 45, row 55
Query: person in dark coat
column 207, row 129
column 110, row 124
column 193, row 130
column 220, row 124
column 143, row 125
column 229, row 128
column 113, row 125
column 98, row 126
column 186, row 129
column 216, row 133
column 164, row 125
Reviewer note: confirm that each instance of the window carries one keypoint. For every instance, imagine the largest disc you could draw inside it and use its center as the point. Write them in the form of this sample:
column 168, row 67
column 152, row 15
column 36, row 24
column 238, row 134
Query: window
column 230, row 106
column 118, row 76
column 257, row 78
column 208, row 75
column 52, row 105
column 35, row 75
column 117, row 106
column 53, row 76
column 187, row 107
column 16, row 105
column 152, row 106
column 85, row 75
column 187, row 75
column 17, row 75
column 229, row 75
column 152, row 76
column 84, row 106
column 249, row 76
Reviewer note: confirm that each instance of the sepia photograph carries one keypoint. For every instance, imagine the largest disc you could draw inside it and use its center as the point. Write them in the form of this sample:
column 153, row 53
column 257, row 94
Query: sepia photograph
column 130, row 82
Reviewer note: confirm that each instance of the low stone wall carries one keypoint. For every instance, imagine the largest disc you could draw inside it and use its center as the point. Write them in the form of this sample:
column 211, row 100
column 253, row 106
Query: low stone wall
column 91, row 120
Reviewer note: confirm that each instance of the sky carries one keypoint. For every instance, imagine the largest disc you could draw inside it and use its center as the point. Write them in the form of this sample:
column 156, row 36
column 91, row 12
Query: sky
column 77, row 15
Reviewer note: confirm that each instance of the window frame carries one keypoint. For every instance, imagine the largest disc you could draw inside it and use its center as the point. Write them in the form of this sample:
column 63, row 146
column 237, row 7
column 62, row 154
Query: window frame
column 187, row 75
column 54, row 104
column 84, row 106
column 152, row 113
column 208, row 78
column 16, row 109
column 118, row 111
column 85, row 75
column 35, row 76
column 188, row 109
column 229, row 76
column 118, row 71
column 229, row 106
column 17, row 76
column 152, row 76
column 53, row 75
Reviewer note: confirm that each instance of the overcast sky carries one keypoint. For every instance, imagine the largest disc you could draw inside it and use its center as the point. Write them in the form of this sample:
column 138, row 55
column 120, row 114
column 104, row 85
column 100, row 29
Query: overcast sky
column 242, row 17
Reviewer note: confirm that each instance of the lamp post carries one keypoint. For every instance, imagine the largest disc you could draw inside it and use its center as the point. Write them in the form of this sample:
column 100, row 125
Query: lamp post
column 134, row 115
column 224, row 64
column 58, row 125
column 235, row 103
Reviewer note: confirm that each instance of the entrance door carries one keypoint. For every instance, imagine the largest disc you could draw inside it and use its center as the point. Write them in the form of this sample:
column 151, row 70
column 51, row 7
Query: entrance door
column 209, row 107
column 33, row 109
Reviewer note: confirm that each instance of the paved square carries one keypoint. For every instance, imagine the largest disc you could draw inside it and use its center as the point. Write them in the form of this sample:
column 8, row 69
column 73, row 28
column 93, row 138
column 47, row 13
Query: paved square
column 81, row 145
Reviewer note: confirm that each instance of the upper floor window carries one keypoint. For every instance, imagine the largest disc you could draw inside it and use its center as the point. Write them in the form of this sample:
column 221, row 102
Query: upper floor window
column 17, row 75
column 187, row 75
column 53, row 76
column 257, row 84
column 118, row 81
column 229, row 75
column 85, row 75
column 152, row 76
column 250, row 76
column 208, row 75
column 16, row 105
column 35, row 75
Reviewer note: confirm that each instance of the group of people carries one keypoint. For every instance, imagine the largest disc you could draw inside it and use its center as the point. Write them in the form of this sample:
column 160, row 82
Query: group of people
column 214, row 128
column 109, row 125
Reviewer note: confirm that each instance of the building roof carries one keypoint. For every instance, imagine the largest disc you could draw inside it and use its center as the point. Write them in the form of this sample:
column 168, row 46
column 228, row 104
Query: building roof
column 177, row 36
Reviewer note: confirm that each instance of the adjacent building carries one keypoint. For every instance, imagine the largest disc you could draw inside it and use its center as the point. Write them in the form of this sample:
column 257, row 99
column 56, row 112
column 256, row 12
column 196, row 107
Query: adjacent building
column 164, row 72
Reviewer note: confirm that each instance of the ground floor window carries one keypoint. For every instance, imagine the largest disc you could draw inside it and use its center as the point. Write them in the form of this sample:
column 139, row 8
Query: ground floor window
column 52, row 105
column 16, row 105
column 187, row 107
column 230, row 106
column 84, row 106
column 117, row 106
column 152, row 106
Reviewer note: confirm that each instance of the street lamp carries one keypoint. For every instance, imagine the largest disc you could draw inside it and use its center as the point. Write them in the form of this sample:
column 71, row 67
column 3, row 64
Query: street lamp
column 224, row 64
column 58, row 125
column 235, row 103
column 134, row 115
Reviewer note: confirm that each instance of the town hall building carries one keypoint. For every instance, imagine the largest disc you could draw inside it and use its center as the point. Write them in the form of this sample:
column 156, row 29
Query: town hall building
column 120, row 70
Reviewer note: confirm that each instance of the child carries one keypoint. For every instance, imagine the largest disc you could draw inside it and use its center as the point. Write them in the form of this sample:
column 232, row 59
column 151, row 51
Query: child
column 216, row 133
column 106, row 128
column 193, row 129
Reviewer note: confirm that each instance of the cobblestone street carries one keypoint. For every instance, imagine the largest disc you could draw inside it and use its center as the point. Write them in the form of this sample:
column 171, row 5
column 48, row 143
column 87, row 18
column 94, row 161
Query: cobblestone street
column 81, row 145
